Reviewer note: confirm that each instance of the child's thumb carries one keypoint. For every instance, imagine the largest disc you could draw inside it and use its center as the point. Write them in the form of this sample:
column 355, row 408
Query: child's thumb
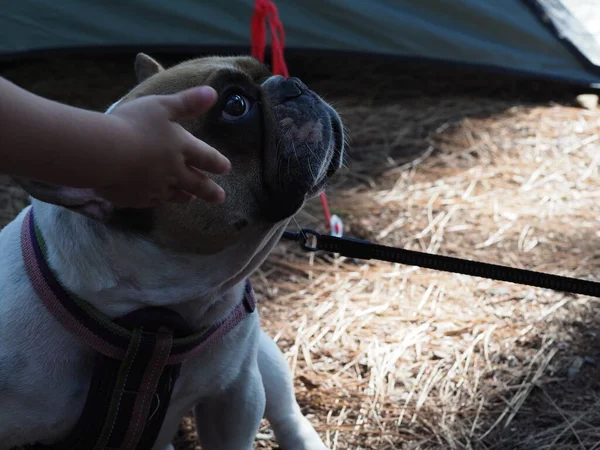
column 189, row 103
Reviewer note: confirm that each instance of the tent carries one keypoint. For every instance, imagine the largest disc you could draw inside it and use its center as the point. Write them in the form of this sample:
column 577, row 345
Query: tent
column 546, row 39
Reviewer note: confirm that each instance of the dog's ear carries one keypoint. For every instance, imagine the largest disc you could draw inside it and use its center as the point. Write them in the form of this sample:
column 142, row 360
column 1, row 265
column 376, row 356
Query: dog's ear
column 83, row 201
column 145, row 67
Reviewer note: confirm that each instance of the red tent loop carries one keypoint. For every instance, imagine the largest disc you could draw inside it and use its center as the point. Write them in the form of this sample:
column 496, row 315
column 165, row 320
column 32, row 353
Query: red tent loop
column 265, row 12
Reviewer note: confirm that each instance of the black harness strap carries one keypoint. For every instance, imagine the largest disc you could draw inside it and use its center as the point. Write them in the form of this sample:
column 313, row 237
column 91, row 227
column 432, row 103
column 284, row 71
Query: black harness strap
column 137, row 361
column 126, row 403
column 127, row 400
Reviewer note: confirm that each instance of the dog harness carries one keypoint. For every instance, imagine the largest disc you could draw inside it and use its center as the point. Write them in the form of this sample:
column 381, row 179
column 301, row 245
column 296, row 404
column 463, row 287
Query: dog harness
column 137, row 359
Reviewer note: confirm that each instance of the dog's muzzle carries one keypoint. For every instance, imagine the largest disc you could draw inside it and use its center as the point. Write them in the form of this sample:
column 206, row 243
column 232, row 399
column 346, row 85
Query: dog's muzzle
column 307, row 148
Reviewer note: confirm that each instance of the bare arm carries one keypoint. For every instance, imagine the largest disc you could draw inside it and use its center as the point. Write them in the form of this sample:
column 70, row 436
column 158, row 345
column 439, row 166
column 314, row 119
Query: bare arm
column 137, row 153
column 49, row 141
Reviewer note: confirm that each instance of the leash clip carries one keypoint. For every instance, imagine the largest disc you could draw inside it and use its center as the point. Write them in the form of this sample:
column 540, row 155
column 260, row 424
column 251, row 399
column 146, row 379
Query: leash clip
column 304, row 237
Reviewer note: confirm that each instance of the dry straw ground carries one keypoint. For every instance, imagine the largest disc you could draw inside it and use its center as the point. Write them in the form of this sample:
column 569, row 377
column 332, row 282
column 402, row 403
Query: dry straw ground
column 394, row 357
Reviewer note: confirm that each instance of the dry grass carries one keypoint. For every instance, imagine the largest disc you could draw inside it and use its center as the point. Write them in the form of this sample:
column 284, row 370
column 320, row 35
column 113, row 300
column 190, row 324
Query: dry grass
column 394, row 357
column 406, row 357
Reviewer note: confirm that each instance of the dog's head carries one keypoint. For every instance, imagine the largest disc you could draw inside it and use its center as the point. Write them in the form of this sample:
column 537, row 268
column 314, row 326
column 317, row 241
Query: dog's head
column 282, row 139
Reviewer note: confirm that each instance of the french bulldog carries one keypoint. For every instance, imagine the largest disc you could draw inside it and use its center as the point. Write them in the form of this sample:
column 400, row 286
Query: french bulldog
column 284, row 143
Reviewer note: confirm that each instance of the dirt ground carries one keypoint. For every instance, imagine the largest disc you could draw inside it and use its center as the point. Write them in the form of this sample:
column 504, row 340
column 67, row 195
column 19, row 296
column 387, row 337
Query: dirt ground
column 446, row 161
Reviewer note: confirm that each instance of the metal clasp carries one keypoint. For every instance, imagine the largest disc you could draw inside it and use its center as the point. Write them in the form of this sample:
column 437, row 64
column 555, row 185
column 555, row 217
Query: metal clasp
column 304, row 236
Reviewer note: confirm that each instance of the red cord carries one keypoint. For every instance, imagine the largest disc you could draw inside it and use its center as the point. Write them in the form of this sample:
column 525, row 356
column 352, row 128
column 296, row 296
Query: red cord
column 325, row 208
column 265, row 12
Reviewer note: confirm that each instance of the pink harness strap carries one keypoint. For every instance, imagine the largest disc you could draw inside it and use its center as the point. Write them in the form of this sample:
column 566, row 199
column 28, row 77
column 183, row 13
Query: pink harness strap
column 138, row 357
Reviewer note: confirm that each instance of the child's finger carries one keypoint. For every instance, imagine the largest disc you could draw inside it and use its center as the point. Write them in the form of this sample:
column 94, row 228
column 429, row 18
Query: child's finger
column 204, row 157
column 189, row 103
column 198, row 184
column 179, row 196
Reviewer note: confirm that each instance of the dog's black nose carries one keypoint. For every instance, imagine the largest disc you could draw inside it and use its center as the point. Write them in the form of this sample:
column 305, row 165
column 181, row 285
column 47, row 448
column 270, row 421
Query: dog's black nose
column 292, row 88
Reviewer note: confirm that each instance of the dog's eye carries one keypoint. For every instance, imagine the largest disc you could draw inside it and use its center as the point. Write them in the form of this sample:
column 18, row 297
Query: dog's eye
column 235, row 107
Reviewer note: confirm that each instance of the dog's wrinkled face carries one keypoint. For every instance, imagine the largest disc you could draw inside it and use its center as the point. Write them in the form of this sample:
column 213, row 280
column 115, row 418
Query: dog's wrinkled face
column 282, row 139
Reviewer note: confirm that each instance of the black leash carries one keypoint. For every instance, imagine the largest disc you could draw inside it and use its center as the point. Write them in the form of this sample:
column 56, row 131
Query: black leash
column 359, row 249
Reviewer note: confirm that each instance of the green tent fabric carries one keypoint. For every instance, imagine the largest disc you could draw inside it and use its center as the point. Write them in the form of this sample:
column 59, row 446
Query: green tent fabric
column 556, row 39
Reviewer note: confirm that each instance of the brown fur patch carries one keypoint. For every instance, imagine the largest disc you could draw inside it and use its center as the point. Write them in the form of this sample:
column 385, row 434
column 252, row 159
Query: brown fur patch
column 279, row 133
column 145, row 67
column 200, row 227
column 272, row 173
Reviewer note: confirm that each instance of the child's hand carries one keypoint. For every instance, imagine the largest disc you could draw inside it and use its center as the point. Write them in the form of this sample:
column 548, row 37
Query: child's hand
column 159, row 158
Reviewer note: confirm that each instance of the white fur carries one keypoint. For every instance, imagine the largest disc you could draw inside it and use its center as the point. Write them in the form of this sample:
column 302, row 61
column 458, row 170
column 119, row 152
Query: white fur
column 113, row 106
column 45, row 371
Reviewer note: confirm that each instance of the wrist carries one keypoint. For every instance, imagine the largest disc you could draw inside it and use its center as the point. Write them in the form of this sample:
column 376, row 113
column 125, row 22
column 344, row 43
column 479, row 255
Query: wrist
column 119, row 155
